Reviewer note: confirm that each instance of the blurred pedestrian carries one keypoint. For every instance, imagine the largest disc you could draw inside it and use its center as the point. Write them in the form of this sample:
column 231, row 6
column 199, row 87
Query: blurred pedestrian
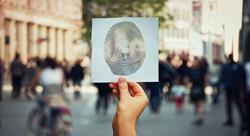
column 2, row 71
column 77, row 75
column 104, row 93
column 215, row 74
column 155, row 96
column 233, row 82
column 178, row 90
column 166, row 74
column 51, row 78
column 38, row 68
column 204, row 64
column 183, row 69
column 247, row 96
column 17, row 73
column 197, row 95
column 52, row 105
column 65, row 67
column 29, row 75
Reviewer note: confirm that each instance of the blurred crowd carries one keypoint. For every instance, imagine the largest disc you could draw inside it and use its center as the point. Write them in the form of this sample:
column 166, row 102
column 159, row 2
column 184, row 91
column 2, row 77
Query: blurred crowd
column 182, row 78
column 25, row 76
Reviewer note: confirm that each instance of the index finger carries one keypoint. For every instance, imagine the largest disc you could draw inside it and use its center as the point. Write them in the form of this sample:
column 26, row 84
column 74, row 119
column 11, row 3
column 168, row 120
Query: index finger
column 113, row 85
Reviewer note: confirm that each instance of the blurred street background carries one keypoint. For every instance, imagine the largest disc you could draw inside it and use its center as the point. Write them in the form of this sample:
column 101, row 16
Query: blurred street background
column 204, row 65
column 87, row 123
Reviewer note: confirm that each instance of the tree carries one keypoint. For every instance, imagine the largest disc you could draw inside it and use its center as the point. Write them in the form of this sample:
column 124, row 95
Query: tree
column 122, row 8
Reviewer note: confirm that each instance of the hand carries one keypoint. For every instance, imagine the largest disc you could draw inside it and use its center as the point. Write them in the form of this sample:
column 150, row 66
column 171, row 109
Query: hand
column 132, row 102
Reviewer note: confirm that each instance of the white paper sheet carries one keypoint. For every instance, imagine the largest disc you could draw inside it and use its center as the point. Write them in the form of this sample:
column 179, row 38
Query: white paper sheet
column 125, row 47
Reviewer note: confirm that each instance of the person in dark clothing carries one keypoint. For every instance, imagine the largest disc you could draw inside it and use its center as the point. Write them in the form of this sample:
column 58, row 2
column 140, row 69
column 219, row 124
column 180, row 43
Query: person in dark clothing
column 183, row 70
column 2, row 70
column 204, row 64
column 233, row 82
column 166, row 75
column 17, row 71
column 104, row 93
column 77, row 75
column 197, row 77
column 247, row 103
column 247, row 98
column 163, row 73
column 155, row 96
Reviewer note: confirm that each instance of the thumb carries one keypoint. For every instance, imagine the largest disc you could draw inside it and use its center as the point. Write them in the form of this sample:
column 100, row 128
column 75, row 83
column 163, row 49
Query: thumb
column 123, row 88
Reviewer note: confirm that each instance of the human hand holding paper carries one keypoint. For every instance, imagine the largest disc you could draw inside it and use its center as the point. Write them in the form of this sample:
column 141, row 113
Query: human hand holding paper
column 132, row 102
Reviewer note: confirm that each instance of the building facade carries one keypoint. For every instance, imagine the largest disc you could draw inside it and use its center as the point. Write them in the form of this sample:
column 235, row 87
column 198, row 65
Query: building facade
column 39, row 28
column 177, row 36
column 206, row 22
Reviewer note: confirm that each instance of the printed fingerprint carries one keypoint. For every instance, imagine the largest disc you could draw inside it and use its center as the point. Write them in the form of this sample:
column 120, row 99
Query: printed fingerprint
column 124, row 49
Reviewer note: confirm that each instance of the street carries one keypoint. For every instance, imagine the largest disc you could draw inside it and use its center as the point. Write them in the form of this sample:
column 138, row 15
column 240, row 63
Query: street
column 13, row 115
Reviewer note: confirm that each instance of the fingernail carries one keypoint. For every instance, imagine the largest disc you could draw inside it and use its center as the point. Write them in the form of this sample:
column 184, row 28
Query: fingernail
column 121, row 79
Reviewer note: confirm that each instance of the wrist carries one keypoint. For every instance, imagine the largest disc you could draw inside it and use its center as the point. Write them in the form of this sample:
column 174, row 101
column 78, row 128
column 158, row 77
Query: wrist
column 126, row 127
column 122, row 120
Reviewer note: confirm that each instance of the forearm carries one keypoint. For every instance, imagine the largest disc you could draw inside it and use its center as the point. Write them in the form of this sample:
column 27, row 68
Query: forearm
column 124, row 128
